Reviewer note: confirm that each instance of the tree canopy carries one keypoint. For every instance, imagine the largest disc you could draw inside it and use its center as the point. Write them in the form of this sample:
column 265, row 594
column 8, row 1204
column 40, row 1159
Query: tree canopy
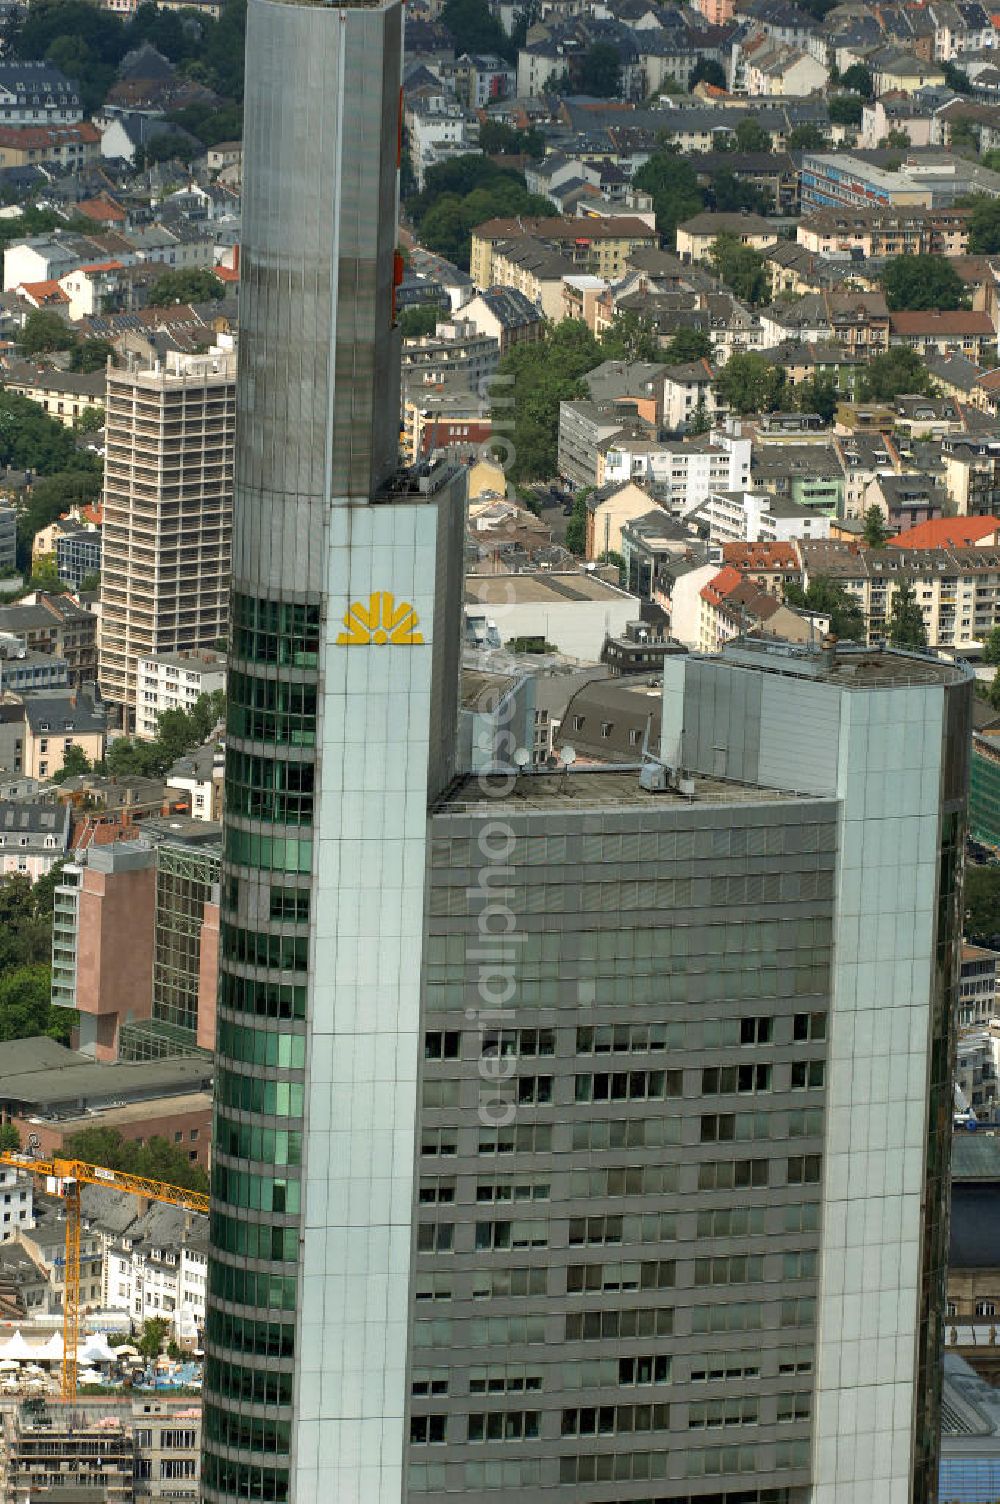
column 818, row 394
column 846, row 109
column 45, row 331
column 687, row 344
column 157, row 1158
column 750, row 135
column 601, row 71
column 475, row 29
column 750, row 383
column 545, row 373
column 905, row 627
column 707, row 71
column 177, row 733
column 859, row 80
column 420, row 320
column 88, row 43
column 984, row 226
column 192, row 284
column 917, row 282
column 896, row 372
column 462, row 193
column 875, row 534
column 981, row 897
column 807, row 137
column 673, row 184
column 828, row 598
column 629, row 337
column 741, row 268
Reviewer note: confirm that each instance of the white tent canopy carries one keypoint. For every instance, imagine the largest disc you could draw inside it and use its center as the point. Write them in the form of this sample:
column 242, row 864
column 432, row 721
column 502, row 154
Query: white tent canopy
column 16, row 1348
column 96, row 1350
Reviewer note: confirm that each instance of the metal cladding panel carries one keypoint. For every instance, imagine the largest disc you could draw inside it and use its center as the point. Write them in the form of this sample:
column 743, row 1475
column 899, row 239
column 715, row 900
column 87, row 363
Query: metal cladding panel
column 721, row 722
column 319, row 355
column 799, row 735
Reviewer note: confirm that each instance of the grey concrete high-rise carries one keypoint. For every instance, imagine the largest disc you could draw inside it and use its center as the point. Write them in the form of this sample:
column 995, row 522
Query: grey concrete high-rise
column 685, row 1101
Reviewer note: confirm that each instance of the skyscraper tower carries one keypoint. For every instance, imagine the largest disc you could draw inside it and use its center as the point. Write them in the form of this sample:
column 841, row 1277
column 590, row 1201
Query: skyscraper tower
column 341, row 728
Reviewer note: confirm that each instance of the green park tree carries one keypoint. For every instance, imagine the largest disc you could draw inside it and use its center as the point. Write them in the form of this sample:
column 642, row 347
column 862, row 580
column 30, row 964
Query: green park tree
column 741, row 268
column 897, row 372
column 875, row 534
column 676, row 193
column 601, row 71
column 906, row 627
column 687, row 345
column 828, row 598
column 749, row 383
column 818, row 394
column 845, row 109
column 544, row 373
column 45, row 331
column 917, row 282
column 194, row 284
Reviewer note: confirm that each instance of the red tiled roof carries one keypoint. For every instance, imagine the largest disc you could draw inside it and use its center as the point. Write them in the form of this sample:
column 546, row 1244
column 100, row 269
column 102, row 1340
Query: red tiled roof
column 104, row 209
column 760, row 555
column 721, row 585
column 34, row 136
column 947, row 532
column 102, row 266
column 940, row 321
column 226, row 273
column 43, row 292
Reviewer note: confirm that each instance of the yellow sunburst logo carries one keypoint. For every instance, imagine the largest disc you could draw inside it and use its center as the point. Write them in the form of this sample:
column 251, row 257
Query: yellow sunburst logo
column 381, row 621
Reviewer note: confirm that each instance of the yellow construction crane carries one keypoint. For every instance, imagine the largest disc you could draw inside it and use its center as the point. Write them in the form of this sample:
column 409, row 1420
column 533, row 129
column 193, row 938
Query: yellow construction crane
column 73, row 1173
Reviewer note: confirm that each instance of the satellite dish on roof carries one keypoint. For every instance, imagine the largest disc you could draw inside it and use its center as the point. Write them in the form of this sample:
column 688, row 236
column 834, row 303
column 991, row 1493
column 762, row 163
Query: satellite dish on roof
column 568, row 756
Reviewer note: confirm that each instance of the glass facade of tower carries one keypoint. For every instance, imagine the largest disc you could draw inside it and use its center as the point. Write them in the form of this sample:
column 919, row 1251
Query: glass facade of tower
column 262, row 1008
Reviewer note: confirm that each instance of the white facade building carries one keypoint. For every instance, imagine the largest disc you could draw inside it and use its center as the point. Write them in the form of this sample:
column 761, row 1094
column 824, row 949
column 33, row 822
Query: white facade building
column 174, row 681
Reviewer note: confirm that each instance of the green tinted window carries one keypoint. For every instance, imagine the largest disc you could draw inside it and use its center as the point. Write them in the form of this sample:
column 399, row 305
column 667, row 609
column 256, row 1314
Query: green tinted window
column 276, row 853
column 264, row 788
column 259, row 1047
column 254, row 1240
column 258, row 1192
column 247, row 1287
column 283, row 952
column 281, row 1099
column 275, row 632
column 242, row 1480
column 259, row 1386
column 266, row 1339
column 271, row 710
column 261, row 999
column 273, row 1146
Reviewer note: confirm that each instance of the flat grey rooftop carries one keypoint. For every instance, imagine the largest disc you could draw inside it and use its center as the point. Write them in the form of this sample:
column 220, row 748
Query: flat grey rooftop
column 560, row 792
column 847, row 667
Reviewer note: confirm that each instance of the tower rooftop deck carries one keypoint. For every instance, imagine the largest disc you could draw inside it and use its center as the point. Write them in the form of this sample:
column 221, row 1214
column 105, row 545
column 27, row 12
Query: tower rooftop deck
column 556, row 791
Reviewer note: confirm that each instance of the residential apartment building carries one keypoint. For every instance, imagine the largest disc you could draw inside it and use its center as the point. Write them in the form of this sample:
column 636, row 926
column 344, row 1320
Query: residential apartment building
column 33, row 836
column 56, row 624
column 886, row 232
column 55, row 722
column 968, row 332
column 455, row 350
column 534, row 269
column 846, row 181
column 147, row 1450
column 745, row 516
column 168, row 497
column 36, row 93
column 683, row 473
column 957, row 589
column 175, row 681
column 978, row 983
column 601, row 246
column 78, row 554
column 64, row 395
